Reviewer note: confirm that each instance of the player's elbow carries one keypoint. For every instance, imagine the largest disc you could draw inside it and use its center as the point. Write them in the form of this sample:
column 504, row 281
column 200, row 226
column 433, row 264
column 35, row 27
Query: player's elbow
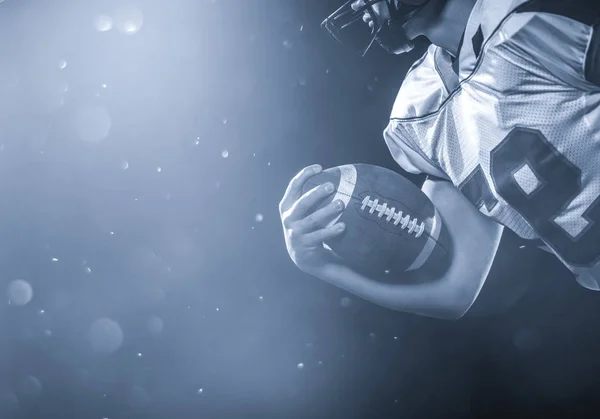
column 462, row 301
column 454, row 296
column 452, row 305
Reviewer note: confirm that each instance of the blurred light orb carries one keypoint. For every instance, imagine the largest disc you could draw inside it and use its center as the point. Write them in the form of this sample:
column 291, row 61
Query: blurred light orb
column 138, row 397
column 300, row 366
column 93, row 123
column 130, row 27
column 129, row 20
column 105, row 336
column 103, row 23
column 124, row 165
column 225, row 154
column 259, row 218
column 62, row 64
column 346, row 302
column 30, row 386
column 155, row 325
column 19, row 292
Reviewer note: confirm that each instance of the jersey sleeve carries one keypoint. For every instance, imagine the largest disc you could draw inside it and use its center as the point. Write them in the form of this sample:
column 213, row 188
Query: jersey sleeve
column 423, row 91
column 558, row 37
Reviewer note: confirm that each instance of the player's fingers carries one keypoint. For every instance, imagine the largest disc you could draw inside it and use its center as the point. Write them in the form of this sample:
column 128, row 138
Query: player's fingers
column 305, row 204
column 294, row 189
column 320, row 218
column 317, row 237
column 357, row 4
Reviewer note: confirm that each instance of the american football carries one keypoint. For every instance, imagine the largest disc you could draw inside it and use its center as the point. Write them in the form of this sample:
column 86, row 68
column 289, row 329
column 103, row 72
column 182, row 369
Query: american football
column 391, row 225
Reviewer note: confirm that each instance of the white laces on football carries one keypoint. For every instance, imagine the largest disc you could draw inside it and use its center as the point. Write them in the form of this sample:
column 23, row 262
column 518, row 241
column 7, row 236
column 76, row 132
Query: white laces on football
column 404, row 220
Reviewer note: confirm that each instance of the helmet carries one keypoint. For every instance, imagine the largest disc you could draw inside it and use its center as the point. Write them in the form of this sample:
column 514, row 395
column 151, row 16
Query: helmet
column 389, row 33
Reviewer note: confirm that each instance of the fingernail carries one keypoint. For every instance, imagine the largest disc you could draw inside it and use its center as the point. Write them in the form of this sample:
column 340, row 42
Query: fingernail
column 341, row 226
column 329, row 187
column 339, row 205
column 317, row 168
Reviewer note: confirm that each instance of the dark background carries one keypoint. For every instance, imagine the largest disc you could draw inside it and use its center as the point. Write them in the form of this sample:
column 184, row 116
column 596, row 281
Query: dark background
column 140, row 178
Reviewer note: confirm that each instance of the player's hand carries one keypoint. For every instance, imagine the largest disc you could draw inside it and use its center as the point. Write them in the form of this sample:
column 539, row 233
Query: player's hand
column 304, row 228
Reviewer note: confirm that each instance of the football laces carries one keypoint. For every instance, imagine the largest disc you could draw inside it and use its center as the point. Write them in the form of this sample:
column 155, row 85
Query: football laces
column 404, row 220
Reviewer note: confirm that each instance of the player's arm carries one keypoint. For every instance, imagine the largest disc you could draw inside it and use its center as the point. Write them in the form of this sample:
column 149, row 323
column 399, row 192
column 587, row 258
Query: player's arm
column 475, row 240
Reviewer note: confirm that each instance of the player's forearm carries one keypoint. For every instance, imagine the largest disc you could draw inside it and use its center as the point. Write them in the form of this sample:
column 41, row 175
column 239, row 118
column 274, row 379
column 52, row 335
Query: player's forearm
column 439, row 299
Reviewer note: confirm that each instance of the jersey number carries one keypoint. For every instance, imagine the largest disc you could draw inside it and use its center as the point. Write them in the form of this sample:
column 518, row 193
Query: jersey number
column 553, row 183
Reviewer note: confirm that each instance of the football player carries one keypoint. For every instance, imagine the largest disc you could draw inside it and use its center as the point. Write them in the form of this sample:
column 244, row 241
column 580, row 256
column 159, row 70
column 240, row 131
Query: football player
column 502, row 114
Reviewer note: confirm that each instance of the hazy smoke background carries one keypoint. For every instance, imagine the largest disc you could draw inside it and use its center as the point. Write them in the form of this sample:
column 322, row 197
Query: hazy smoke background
column 144, row 147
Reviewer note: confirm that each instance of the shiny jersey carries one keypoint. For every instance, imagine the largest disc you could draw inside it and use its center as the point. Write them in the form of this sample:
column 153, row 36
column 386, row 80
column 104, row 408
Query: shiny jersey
column 517, row 130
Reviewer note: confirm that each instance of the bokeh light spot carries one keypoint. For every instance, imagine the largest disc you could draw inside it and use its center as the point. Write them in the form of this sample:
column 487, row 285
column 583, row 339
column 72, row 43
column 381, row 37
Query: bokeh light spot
column 345, row 302
column 129, row 20
column 105, row 336
column 103, row 23
column 138, row 397
column 155, row 325
column 19, row 292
